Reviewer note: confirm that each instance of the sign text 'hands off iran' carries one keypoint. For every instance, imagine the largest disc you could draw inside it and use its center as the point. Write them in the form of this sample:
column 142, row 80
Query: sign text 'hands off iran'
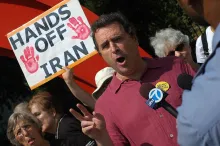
column 58, row 37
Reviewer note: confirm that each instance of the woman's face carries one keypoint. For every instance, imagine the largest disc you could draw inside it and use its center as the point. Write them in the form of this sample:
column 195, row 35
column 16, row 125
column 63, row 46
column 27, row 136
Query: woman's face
column 27, row 134
column 184, row 53
column 103, row 88
column 47, row 118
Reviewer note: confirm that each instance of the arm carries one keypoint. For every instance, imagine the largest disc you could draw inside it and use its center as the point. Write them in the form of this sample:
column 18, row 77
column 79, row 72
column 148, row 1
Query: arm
column 198, row 122
column 194, row 65
column 105, row 141
column 189, row 59
column 77, row 91
column 187, row 68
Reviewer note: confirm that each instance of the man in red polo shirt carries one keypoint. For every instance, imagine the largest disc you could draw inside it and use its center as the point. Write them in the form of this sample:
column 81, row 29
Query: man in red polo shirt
column 129, row 120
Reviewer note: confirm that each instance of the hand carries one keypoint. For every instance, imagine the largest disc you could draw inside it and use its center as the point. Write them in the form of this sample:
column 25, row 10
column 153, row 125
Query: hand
column 29, row 60
column 93, row 125
column 68, row 75
column 186, row 54
column 82, row 30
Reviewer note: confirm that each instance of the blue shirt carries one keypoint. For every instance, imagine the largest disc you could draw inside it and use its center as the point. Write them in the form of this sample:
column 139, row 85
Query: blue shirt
column 198, row 122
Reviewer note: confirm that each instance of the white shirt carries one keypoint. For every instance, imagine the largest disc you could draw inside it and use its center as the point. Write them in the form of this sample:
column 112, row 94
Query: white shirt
column 200, row 56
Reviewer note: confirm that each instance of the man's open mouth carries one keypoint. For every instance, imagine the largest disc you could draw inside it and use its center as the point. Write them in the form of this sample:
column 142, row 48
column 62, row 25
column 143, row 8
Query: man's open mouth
column 120, row 59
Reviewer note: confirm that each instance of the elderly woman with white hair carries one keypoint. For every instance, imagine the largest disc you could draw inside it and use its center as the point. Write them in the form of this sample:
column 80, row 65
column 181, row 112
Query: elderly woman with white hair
column 171, row 42
column 25, row 130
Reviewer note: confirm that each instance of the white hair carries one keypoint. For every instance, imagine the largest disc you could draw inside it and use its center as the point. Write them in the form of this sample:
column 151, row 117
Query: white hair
column 167, row 39
column 21, row 107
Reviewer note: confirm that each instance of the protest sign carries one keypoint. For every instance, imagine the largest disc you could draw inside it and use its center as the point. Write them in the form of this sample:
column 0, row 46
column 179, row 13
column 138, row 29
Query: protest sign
column 58, row 37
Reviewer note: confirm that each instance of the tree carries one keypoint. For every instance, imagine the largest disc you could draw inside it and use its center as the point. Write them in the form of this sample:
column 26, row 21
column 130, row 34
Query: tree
column 148, row 16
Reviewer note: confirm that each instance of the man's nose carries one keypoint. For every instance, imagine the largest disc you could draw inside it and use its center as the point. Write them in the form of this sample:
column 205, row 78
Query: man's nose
column 114, row 47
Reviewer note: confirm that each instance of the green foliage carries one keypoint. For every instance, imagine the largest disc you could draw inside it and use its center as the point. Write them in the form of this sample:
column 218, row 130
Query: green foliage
column 148, row 16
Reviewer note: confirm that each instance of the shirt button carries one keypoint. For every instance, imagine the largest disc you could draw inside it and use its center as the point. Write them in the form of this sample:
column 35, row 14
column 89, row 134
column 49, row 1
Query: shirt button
column 171, row 135
column 161, row 115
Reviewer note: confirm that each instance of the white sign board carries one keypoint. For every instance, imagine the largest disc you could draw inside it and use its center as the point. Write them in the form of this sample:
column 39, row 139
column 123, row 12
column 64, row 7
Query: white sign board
column 58, row 37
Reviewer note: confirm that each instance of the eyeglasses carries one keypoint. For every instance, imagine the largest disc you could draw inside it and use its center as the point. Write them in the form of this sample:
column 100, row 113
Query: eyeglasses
column 179, row 47
column 26, row 128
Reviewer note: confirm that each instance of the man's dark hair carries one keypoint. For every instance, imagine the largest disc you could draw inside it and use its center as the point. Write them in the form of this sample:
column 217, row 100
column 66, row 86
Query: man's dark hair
column 110, row 18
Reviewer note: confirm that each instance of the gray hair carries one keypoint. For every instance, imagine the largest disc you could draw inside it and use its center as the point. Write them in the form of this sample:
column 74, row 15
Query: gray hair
column 13, row 121
column 166, row 39
column 22, row 107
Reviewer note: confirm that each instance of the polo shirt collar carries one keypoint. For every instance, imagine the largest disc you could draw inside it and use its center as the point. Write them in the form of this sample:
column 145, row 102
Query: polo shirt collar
column 116, row 83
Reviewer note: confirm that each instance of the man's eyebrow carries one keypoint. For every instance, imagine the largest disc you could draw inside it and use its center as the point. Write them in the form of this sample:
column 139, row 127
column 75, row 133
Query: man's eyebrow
column 104, row 43
column 116, row 37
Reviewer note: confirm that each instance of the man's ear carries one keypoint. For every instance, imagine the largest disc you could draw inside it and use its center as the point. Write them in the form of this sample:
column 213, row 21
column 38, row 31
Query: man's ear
column 135, row 38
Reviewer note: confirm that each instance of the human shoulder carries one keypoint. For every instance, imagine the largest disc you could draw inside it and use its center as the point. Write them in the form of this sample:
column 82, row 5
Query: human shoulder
column 68, row 119
column 68, row 126
column 169, row 60
column 71, row 134
column 194, row 109
column 209, row 30
column 177, row 65
column 169, row 63
column 199, row 42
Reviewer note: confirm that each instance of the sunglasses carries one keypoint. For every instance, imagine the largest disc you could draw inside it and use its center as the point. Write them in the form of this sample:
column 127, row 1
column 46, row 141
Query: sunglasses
column 179, row 47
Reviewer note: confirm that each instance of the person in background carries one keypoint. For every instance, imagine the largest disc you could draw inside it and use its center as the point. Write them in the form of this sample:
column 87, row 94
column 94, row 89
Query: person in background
column 23, row 108
column 48, row 110
column 102, row 79
column 204, row 45
column 171, row 42
column 199, row 116
column 25, row 130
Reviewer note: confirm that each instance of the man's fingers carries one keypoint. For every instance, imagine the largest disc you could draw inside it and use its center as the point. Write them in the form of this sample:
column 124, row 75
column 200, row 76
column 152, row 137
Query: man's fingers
column 87, row 130
column 83, row 110
column 87, row 124
column 76, row 114
column 66, row 68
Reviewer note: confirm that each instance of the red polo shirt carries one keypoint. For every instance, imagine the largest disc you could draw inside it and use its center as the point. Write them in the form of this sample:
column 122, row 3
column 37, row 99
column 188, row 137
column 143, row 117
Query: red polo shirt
column 129, row 120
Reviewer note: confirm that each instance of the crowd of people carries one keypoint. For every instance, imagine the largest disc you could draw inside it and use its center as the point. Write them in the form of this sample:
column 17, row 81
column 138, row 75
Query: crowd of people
column 120, row 116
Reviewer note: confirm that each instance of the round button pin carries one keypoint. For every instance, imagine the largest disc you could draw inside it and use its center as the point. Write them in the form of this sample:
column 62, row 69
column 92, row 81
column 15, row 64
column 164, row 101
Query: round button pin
column 163, row 86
